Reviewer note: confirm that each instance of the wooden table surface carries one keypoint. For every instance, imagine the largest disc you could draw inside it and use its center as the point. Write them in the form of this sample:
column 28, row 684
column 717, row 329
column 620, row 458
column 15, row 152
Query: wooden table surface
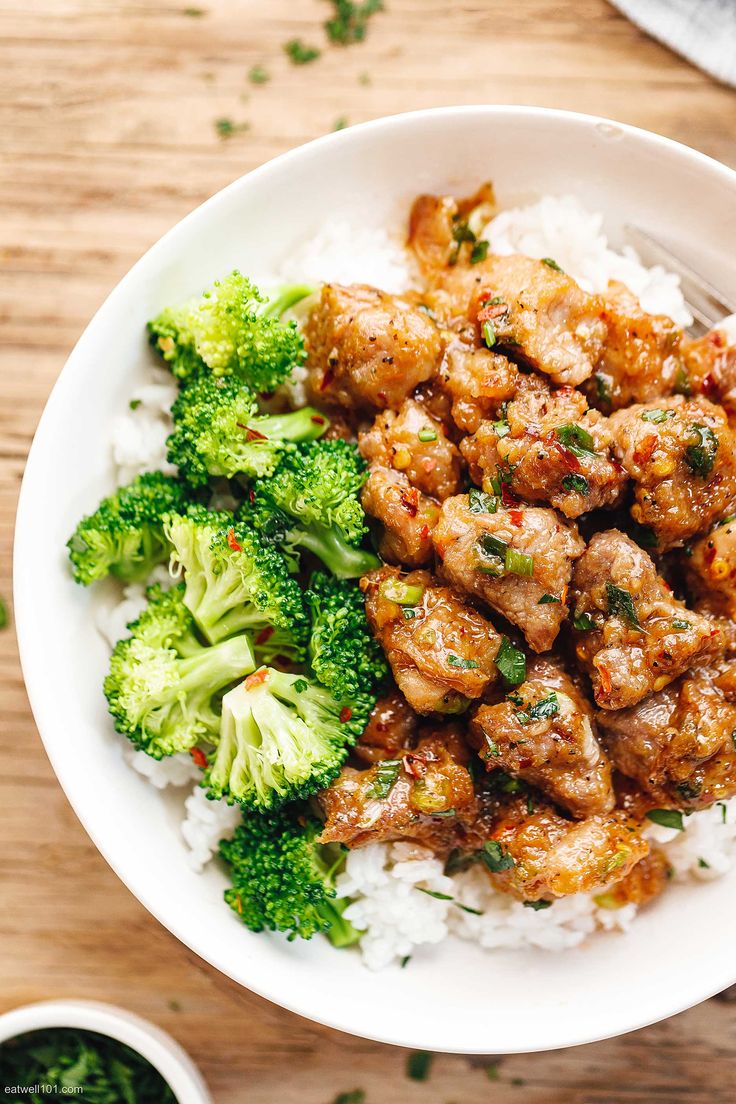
column 107, row 137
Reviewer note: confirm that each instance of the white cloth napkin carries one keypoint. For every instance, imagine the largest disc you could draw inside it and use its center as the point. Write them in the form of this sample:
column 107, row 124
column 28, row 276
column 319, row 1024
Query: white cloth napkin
column 703, row 31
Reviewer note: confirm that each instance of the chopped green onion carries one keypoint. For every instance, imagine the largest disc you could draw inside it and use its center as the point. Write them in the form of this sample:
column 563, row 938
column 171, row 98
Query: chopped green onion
column 679, row 624
column 404, row 594
column 385, row 778
column 547, row 599
column 459, row 661
column 511, row 662
column 496, row 859
column 538, row 906
column 582, row 622
column 682, row 383
column 405, row 961
column 437, row 896
column 427, row 433
column 701, row 456
column 489, row 334
column 501, row 428
column 551, row 263
column 657, row 416
column 621, row 604
column 577, row 484
column 540, row 711
column 493, row 748
column 575, row 439
column 479, row 252
column 409, row 613
column 518, row 563
column 667, row 818
column 603, row 387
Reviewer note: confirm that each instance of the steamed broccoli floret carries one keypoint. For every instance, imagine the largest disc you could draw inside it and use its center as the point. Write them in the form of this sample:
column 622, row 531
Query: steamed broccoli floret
column 218, row 431
column 343, row 653
column 312, row 501
column 231, row 330
column 282, row 738
column 235, row 582
column 283, row 880
column 162, row 680
column 124, row 536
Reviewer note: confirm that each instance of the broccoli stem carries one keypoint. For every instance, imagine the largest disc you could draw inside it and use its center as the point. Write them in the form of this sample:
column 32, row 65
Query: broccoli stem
column 216, row 666
column 343, row 559
column 288, row 297
column 298, row 425
column 341, row 932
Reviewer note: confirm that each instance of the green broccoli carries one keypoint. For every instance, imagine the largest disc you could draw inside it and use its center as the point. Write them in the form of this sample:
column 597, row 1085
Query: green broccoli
column 218, row 431
column 163, row 683
column 342, row 651
column 124, row 536
column 234, row 582
column 312, row 501
column 284, row 880
column 230, row 331
column 282, row 738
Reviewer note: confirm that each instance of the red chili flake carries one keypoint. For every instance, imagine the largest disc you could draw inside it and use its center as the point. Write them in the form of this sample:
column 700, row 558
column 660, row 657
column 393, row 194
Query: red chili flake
column 439, row 549
column 666, row 585
column 256, row 678
column 643, row 451
column 517, row 518
column 265, row 634
column 254, row 435
column 605, row 679
column 429, row 464
column 327, row 379
column 410, row 501
column 525, row 763
column 710, row 553
column 317, row 419
column 508, row 498
column 483, row 296
column 493, row 310
column 424, row 532
column 413, row 766
column 616, row 466
column 715, row 337
column 345, row 714
column 563, row 596
column 569, row 459
column 382, row 396
column 251, row 495
column 232, row 542
column 199, row 757
column 709, row 385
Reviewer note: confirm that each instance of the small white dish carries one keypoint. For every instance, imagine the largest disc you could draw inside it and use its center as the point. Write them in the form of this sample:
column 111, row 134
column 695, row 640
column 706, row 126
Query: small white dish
column 155, row 1045
column 457, row 998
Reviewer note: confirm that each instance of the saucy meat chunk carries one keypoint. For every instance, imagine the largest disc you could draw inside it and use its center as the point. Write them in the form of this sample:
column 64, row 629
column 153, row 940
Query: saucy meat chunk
column 391, row 729
column 441, row 651
column 710, row 369
column 477, row 381
column 366, row 349
column 406, row 798
column 543, row 733
column 407, row 516
column 681, row 456
column 640, row 359
column 439, row 228
column 677, row 744
column 633, row 635
column 711, row 568
column 553, row 857
column 519, row 561
column 549, row 447
column 641, row 885
column 410, row 440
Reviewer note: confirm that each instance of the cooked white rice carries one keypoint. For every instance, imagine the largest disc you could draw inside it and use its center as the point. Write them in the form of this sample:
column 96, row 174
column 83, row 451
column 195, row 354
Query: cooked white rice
column 392, row 885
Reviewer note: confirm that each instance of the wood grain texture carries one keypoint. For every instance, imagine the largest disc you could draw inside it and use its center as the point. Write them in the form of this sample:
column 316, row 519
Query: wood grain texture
column 107, row 138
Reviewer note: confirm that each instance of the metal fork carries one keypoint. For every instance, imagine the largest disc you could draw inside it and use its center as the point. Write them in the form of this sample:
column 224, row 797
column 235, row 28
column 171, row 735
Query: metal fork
column 707, row 305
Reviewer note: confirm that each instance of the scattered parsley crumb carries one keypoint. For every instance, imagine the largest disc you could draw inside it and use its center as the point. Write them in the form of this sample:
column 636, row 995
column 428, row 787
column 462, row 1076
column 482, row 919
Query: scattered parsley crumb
column 518, row 1081
column 134, row 404
column 350, row 21
column 418, row 1065
column 258, row 75
column 226, row 127
column 174, row 1006
column 299, row 53
column 492, row 1071
column 356, row 1096
column 364, row 79
column 194, row 13
column 3, row 614
column 341, row 123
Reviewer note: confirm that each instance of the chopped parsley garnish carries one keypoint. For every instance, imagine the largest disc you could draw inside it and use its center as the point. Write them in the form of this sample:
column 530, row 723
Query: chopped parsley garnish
column 496, row 859
column 721, row 805
column 405, row 960
column 301, row 685
column 427, row 433
column 387, row 771
column 350, row 21
column 644, row 535
column 489, row 334
column 582, row 622
column 481, row 503
column 679, row 624
column 258, row 75
column 701, row 455
column 575, row 439
column 501, row 428
column 682, row 383
column 493, row 748
column 538, row 905
column 667, row 818
column 299, row 53
column 459, row 661
column 602, row 387
column 703, row 864
column 657, row 416
column 551, row 263
column 547, row 599
column 577, row 484
column 621, row 604
column 540, row 711
column 437, row 896
column 418, row 1065
column 134, row 404
column 479, row 252
column 511, row 662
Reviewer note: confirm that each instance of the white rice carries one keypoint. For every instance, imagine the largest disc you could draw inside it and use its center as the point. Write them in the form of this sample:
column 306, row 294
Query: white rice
column 385, row 881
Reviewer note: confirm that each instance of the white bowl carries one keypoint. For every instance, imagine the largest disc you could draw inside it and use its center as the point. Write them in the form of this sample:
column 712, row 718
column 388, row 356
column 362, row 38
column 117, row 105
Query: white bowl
column 163, row 1052
column 460, row 998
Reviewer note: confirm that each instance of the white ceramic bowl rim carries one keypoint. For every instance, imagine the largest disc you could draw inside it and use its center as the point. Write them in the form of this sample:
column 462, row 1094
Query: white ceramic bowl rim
column 693, row 986
column 153, row 1044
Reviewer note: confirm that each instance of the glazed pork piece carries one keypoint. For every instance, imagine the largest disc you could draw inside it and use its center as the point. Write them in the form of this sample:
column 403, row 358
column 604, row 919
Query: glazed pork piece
column 710, row 563
column 677, row 744
column 633, row 636
column 539, row 855
column 640, row 359
column 367, row 350
column 543, row 733
column 550, row 448
column 425, row 795
column 410, row 440
column 541, row 315
column 406, row 515
column 391, row 730
column 518, row 561
column 440, row 649
column 440, row 234
column 477, row 381
column 681, row 457
column 642, row 884
column 710, row 369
